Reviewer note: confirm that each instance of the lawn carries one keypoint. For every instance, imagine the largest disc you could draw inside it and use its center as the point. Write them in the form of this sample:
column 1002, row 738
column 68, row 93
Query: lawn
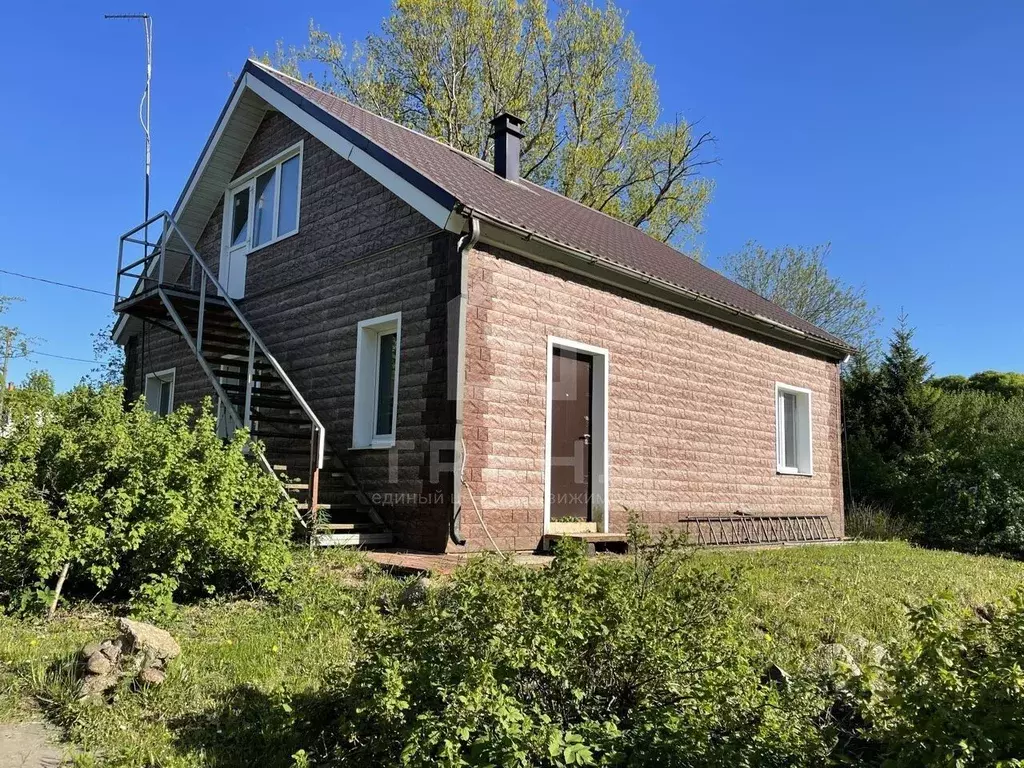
column 252, row 686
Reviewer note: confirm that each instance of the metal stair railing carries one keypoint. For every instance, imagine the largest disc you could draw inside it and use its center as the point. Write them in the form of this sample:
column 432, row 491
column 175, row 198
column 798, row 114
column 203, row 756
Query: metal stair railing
column 153, row 271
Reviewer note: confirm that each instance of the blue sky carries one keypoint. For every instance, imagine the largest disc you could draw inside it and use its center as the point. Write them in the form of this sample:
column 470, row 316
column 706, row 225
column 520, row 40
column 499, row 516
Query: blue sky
column 892, row 130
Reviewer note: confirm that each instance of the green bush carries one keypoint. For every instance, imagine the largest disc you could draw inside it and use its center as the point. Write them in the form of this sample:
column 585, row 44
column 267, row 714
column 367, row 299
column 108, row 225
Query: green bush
column 133, row 506
column 963, row 502
column 955, row 695
column 576, row 664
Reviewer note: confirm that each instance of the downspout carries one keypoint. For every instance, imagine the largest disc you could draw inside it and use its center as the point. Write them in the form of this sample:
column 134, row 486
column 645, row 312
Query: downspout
column 465, row 245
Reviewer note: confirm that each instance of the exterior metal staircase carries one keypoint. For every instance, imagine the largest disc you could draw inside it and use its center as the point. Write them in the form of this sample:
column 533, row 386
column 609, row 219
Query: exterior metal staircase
column 172, row 287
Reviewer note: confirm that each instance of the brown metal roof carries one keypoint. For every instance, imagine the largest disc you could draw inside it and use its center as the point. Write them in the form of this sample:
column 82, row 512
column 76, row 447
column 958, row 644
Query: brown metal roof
column 524, row 205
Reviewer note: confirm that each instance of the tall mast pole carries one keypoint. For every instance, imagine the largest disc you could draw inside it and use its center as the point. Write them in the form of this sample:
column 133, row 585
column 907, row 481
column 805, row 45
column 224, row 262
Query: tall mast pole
column 147, row 25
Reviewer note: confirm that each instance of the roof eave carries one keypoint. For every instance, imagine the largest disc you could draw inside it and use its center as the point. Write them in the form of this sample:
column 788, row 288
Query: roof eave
column 539, row 248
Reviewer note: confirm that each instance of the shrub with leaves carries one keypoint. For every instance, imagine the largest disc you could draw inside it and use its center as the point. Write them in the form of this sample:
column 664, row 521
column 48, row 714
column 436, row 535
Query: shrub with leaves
column 955, row 696
column 129, row 505
column 574, row 664
column 964, row 502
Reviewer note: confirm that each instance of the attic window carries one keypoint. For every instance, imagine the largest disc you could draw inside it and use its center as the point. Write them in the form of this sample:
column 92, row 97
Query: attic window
column 264, row 204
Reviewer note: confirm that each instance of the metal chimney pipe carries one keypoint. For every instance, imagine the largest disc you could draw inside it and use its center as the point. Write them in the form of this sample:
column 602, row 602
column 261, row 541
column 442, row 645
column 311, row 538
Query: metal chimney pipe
column 507, row 134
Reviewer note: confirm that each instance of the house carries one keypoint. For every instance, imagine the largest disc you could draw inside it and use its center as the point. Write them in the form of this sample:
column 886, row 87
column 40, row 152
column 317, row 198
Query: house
column 440, row 355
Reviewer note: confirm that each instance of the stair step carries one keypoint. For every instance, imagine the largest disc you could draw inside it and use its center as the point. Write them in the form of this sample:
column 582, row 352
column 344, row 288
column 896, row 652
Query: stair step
column 232, row 359
column 287, row 437
column 350, row 527
column 222, row 336
column 275, row 403
column 260, row 416
column 296, row 486
column 219, row 324
column 353, row 539
column 295, row 450
column 220, row 349
column 263, row 391
column 279, row 467
column 213, row 312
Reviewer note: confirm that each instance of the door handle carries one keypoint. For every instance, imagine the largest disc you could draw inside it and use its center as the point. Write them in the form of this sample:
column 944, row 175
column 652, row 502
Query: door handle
column 585, row 439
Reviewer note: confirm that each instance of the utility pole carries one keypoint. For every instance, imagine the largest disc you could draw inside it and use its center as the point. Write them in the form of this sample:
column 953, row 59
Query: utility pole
column 13, row 345
column 147, row 25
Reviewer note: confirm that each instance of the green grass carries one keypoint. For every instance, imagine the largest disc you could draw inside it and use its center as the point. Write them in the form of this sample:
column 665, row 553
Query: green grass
column 804, row 596
column 248, row 683
column 253, row 684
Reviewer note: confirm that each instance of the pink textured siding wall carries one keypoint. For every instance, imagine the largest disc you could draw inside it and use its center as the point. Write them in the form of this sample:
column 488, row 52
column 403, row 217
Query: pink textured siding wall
column 691, row 412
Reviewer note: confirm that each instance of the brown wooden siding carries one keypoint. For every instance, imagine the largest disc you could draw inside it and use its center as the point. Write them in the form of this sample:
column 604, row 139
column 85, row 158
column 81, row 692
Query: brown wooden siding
column 360, row 252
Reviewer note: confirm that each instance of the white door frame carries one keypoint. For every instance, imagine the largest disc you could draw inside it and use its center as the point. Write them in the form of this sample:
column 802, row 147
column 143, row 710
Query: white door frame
column 600, row 509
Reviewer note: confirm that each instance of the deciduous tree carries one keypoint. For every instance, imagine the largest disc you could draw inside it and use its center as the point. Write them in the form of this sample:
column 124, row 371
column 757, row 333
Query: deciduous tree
column 1006, row 384
column 596, row 132
column 109, row 358
column 798, row 279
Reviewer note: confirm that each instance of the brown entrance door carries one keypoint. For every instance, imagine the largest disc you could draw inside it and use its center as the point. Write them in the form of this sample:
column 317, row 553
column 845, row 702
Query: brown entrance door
column 572, row 388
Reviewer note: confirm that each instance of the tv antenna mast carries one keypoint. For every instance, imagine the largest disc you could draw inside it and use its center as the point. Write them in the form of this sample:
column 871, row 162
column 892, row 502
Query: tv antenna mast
column 147, row 25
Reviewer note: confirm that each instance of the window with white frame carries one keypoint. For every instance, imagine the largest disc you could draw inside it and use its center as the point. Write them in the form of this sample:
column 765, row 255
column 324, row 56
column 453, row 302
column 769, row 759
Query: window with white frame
column 793, row 429
column 159, row 392
column 378, row 347
column 264, row 204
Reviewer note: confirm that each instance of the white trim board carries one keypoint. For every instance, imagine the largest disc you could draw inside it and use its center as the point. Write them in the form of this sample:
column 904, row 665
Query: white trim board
column 599, row 480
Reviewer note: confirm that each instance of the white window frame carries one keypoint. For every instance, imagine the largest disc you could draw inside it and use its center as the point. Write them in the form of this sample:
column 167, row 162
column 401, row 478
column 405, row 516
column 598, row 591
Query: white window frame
column 805, row 431
column 165, row 376
column 248, row 181
column 364, row 417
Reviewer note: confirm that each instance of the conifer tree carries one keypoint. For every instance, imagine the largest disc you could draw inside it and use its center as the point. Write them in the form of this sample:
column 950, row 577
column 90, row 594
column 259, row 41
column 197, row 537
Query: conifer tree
column 906, row 407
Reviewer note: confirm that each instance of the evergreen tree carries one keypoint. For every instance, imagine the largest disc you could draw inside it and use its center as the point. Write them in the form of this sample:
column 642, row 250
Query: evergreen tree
column 868, row 475
column 906, row 406
column 860, row 396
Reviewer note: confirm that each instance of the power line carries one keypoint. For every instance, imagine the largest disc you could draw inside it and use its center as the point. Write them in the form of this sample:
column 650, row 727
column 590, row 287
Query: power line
column 56, row 282
column 64, row 357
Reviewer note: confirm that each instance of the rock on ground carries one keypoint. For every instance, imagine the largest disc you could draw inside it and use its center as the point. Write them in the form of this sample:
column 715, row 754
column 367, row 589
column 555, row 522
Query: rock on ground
column 153, row 642
column 141, row 652
column 835, row 656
